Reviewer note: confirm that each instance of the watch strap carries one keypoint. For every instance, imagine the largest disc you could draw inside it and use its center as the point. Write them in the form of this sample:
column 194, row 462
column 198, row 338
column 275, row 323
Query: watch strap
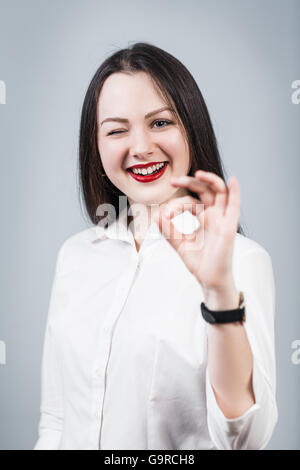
column 225, row 316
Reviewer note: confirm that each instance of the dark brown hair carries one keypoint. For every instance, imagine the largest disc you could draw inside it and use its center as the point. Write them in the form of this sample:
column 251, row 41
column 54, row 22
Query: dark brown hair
column 180, row 91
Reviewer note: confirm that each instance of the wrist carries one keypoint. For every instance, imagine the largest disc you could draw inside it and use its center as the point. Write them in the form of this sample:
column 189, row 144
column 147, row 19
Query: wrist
column 225, row 298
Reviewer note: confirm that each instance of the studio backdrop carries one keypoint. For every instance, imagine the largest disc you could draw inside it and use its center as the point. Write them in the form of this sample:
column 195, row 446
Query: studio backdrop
column 244, row 56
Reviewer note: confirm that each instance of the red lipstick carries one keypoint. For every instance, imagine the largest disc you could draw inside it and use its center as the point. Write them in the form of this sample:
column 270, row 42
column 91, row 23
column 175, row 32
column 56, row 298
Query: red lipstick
column 150, row 177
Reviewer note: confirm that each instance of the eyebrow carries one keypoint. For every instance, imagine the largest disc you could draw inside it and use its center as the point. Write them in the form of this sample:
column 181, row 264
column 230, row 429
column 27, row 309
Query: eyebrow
column 118, row 119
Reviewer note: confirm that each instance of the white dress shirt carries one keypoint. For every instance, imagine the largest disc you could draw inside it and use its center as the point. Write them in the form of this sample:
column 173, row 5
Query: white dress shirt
column 125, row 351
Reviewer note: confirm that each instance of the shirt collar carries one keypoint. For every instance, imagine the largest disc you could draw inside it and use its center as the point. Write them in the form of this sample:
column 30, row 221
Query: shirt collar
column 118, row 230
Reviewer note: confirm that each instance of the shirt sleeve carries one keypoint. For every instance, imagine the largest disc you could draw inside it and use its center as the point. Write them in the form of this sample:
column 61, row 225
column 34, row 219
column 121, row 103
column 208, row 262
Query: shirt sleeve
column 253, row 429
column 51, row 407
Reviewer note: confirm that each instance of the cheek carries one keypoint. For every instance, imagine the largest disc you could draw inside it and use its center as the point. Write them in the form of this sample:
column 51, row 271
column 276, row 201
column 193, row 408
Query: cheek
column 175, row 147
column 111, row 155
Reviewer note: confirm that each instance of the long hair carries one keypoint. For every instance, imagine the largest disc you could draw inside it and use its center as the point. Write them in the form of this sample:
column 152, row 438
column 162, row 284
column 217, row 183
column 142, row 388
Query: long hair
column 180, row 91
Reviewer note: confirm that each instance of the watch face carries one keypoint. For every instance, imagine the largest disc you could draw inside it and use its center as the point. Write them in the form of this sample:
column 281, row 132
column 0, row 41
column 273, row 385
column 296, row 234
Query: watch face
column 206, row 314
column 209, row 317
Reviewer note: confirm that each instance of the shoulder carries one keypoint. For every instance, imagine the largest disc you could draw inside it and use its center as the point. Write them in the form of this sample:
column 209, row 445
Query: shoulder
column 75, row 249
column 82, row 238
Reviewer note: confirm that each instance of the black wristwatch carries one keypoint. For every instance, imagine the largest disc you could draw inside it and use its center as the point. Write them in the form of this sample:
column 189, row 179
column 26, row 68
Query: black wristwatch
column 225, row 316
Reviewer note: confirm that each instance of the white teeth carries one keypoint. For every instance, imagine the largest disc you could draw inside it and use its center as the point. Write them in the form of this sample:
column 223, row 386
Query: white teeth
column 148, row 170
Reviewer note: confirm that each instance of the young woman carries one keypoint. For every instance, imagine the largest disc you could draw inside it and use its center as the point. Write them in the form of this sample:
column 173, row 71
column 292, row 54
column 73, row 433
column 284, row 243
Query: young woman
column 158, row 337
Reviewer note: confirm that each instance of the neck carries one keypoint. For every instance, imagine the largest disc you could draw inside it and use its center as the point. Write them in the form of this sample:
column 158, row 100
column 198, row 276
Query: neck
column 143, row 215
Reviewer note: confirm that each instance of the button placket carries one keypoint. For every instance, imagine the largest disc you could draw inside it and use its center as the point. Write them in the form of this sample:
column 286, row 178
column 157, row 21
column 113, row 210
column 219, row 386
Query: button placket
column 107, row 330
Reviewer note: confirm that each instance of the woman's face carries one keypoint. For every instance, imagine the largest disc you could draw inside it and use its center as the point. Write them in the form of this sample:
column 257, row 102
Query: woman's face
column 139, row 140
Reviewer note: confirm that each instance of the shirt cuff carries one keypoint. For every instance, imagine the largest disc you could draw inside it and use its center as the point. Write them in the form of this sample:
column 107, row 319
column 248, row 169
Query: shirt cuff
column 49, row 440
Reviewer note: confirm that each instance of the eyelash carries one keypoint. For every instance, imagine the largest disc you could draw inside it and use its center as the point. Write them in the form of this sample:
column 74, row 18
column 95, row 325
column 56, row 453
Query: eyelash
column 157, row 120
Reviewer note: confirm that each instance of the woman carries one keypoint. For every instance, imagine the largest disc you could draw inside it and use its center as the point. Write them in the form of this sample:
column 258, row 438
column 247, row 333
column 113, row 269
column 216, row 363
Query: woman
column 158, row 337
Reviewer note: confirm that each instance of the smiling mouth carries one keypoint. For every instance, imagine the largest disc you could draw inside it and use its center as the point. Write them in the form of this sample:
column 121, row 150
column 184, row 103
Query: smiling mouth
column 143, row 176
column 147, row 169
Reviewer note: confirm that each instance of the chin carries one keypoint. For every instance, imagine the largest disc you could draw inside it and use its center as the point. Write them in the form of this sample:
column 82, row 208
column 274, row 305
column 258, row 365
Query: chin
column 148, row 201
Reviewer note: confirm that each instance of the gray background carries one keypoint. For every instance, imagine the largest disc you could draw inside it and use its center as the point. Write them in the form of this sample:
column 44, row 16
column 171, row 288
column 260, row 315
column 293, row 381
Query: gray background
column 244, row 56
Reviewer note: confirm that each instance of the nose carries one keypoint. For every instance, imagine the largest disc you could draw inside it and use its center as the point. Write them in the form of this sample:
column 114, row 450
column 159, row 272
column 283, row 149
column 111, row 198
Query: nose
column 141, row 144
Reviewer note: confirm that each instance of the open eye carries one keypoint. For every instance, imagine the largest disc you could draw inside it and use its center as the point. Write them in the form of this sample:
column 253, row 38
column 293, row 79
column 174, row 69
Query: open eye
column 157, row 120
column 162, row 120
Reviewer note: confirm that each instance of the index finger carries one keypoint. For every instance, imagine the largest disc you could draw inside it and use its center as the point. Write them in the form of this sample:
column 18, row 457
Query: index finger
column 213, row 178
column 199, row 186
